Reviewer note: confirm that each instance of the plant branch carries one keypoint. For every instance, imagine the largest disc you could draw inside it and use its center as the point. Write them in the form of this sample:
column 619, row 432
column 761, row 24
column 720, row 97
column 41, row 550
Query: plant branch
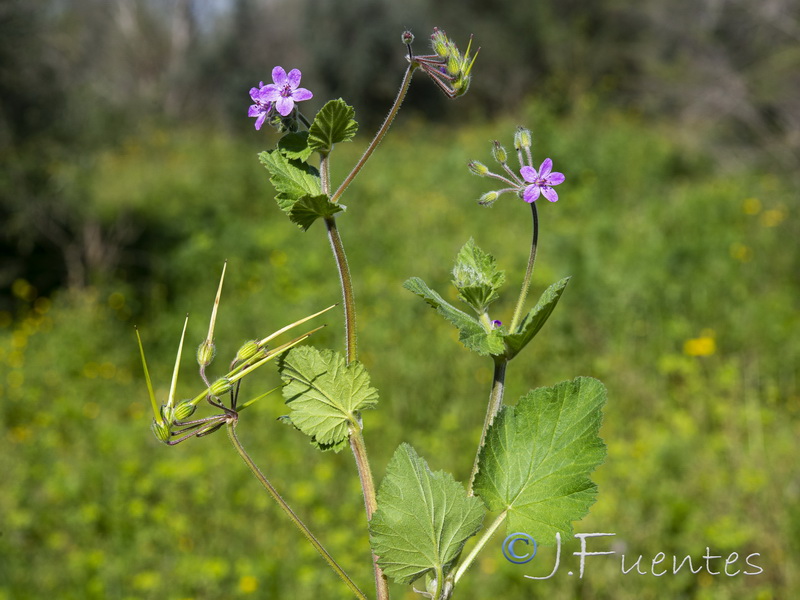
column 289, row 512
column 526, row 283
column 401, row 94
column 495, row 402
column 487, row 534
column 359, row 448
column 348, row 298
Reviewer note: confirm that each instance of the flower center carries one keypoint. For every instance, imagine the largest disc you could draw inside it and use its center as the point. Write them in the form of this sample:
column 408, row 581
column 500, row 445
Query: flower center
column 286, row 92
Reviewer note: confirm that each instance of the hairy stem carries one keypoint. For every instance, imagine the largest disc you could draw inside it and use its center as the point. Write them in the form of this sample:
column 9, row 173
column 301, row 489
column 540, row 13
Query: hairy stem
column 289, row 512
column 357, row 443
column 526, row 283
column 401, row 94
column 465, row 564
column 348, row 298
column 359, row 449
column 495, row 402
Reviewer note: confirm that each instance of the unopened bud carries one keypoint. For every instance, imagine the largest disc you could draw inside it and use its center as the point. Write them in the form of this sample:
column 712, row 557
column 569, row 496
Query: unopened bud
column 248, row 350
column 522, row 138
column 408, row 38
column 477, row 168
column 161, row 431
column 499, row 153
column 488, row 198
column 220, row 386
column 205, row 353
column 184, row 410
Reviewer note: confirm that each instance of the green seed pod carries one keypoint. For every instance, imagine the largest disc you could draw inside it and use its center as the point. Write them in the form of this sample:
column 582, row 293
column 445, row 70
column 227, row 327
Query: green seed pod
column 220, row 386
column 477, row 168
column 439, row 43
column 205, row 353
column 161, row 431
column 499, row 153
column 167, row 413
column 248, row 350
column 488, row 198
column 522, row 138
column 184, row 410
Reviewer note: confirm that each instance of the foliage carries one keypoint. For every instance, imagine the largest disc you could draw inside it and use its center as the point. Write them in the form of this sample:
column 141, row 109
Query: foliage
column 686, row 313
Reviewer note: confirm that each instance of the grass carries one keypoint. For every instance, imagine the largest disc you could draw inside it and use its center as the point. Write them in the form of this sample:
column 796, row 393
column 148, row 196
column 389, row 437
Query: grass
column 683, row 301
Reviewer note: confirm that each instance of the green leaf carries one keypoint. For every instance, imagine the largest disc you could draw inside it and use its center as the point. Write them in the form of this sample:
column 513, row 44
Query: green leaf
column 333, row 124
column 295, row 145
column 538, row 456
column 308, row 209
column 535, row 319
column 292, row 178
column 324, row 393
column 423, row 518
column 477, row 277
column 471, row 333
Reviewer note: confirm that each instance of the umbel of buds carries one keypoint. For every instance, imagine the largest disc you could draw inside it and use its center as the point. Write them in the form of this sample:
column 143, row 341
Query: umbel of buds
column 447, row 67
column 529, row 183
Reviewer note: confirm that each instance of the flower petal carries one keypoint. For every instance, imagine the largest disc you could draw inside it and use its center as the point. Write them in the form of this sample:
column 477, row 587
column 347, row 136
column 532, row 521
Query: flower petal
column 255, row 94
column 528, row 174
column 294, row 78
column 301, row 94
column 555, row 178
column 279, row 76
column 549, row 193
column 547, row 166
column 284, row 105
column 270, row 93
column 531, row 193
column 254, row 110
column 260, row 120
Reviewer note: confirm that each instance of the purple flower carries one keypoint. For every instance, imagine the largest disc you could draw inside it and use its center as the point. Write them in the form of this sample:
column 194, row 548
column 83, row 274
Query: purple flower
column 541, row 182
column 261, row 108
column 283, row 92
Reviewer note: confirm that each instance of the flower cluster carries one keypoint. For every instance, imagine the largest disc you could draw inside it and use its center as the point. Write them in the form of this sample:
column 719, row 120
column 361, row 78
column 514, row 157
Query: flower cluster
column 530, row 183
column 447, row 67
column 277, row 97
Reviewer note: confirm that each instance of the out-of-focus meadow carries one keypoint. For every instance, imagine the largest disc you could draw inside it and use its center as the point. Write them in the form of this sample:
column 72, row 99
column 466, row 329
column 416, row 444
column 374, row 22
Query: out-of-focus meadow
column 124, row 191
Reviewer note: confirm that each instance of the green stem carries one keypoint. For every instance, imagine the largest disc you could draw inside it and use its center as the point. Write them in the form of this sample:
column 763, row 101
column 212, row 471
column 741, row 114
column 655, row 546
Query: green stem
column 527, row 281
column 357, row 444
column 495, row 402
column 289, row 512
column 462, row 568
column 348, row 298
column 401, row 94
column 359, row 448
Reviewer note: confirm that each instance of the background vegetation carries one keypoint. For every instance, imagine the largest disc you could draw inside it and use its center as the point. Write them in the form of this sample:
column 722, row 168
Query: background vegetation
column 129, row 175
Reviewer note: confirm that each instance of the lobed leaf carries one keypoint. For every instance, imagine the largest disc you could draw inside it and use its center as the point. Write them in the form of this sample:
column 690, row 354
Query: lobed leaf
column 423, row 518
column 292, row 178
column 334, row 123
column 324, row 393
column 471, row 333
column 535, row 319
column 308, row 209
column 477, row 277
column 294, row 145
column 538, row 455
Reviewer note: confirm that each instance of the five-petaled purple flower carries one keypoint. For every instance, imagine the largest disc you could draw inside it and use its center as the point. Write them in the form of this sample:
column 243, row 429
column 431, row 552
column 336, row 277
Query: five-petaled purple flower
column 283, row 92
column 261, row 108
column 541, row 182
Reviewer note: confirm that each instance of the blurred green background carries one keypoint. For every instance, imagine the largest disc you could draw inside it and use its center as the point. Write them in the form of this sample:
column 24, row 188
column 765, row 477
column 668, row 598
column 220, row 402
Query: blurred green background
column 129, row 174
